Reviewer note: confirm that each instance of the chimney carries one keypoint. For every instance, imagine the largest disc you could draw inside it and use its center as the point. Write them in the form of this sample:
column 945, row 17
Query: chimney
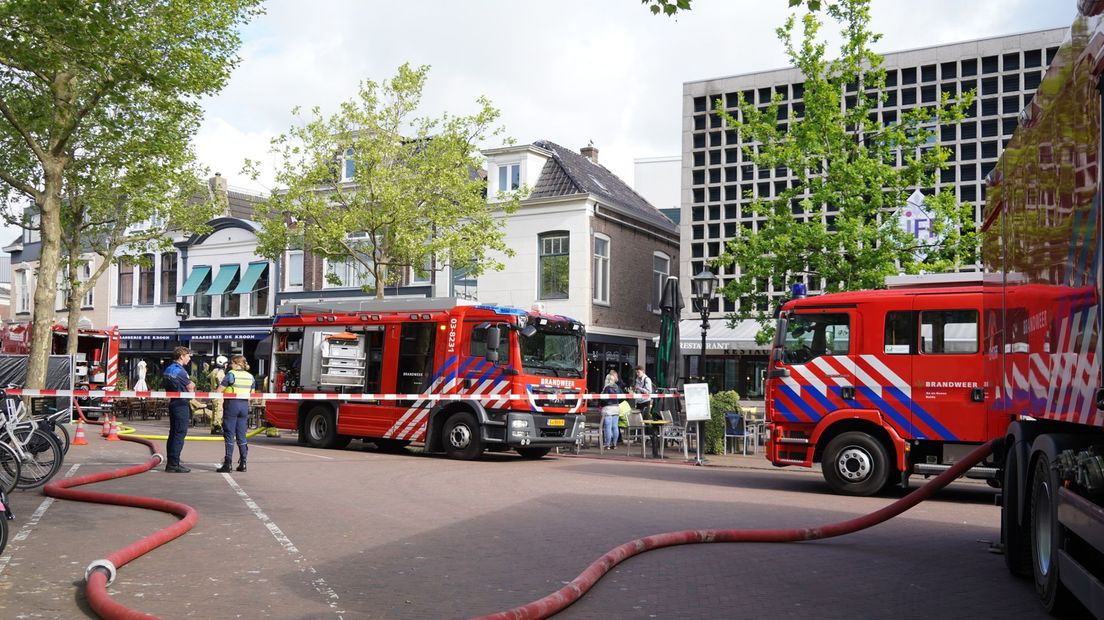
column 217, row 184
column 590, row 152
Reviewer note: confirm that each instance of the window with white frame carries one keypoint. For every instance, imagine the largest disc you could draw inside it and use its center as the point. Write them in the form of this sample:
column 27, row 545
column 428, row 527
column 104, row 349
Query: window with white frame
column 509, row 177
column 464, row 283
column 32, row 234
column 125, row 281
column 349, row 273
column 258, row 303
column 61, row 294
column 423, row 274
column 168, row 277
column 146, row 280
column 348, row 165
column 601, row 270
column 86, row 276
column 661, row 268
column 65, row 284
column 22, row 291
column 294, row 271
column 554, row 262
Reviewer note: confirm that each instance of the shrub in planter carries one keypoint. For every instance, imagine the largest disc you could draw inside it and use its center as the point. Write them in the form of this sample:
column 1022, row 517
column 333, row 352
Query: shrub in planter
column 719, row 404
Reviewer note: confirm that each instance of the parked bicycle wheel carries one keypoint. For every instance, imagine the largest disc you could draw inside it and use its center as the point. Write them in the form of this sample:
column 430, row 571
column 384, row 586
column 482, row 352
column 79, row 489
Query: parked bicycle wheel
column 42, row 458
column 10, row 468
column 60, row 433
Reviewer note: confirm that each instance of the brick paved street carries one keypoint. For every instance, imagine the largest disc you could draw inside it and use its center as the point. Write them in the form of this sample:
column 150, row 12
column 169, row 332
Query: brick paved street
column 361, row 534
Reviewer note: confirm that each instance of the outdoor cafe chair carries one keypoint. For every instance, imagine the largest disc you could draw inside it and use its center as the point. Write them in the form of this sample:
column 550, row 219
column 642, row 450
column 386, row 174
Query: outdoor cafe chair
column 736, row 428
column 672, row 432
column 636, row 430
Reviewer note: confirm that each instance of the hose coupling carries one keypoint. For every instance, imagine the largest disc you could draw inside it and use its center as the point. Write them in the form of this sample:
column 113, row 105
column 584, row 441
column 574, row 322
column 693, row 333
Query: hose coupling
column 104, row 564
column 160, row 458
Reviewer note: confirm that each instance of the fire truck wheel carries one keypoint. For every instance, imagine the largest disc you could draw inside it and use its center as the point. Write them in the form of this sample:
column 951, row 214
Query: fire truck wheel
column 1047, row 538
column 462, row 440
column 533, row 453
column 855, row 463
column 322, row 429
column 1017, row 548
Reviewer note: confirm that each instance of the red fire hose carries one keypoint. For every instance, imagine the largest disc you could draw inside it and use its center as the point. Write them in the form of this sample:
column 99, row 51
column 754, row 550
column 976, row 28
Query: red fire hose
column 562, row 598
column 101, row 573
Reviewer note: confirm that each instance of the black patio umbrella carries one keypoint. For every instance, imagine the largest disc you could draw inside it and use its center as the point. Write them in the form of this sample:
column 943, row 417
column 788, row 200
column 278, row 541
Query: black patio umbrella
column 667, row 356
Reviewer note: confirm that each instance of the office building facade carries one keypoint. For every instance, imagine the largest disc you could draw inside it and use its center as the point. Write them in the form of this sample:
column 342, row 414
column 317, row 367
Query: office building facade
column 717, row 178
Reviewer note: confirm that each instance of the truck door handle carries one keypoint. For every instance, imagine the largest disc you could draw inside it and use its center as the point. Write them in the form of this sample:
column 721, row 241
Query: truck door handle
column 847, row 392
column 977, row 395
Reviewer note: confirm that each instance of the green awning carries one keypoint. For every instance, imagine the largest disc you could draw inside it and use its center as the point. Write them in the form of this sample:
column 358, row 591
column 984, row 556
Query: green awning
column 249, row 280
column 195, row 278
column 223, row 279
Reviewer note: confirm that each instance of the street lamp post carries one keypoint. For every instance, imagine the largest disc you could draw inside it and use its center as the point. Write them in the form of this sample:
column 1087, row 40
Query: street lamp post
column 705, row 284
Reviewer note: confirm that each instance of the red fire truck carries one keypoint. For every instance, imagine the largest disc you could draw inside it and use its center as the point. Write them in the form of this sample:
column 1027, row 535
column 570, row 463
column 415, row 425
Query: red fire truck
column 515, row 372
column 95, row 366
column 876, row 385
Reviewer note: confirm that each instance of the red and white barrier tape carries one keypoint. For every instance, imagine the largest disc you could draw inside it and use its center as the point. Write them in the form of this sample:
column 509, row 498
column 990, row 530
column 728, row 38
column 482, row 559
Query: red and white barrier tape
column 323, row 395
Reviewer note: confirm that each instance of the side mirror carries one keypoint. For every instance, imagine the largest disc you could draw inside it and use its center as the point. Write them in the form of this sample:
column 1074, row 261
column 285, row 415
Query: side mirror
column 528, row 331
column 494, row 340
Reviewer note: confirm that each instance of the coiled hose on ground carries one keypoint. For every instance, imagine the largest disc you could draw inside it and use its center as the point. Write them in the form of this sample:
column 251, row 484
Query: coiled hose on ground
column 565, row 596
column 101, row 573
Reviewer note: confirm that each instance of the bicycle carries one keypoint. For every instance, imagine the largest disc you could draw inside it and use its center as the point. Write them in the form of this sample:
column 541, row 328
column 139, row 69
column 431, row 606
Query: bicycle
column 38, row 453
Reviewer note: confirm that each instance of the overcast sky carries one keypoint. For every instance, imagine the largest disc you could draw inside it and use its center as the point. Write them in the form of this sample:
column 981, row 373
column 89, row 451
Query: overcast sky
column 570, row 71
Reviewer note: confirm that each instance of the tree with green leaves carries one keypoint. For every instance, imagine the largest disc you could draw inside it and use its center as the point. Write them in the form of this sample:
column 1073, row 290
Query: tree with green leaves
column 837, row 225
column 670, row 8
column 384, row 190
column 126, row 210
column 80, row 82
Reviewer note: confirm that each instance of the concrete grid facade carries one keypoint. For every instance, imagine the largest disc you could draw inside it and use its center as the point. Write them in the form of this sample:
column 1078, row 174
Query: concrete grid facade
column 1003, row 71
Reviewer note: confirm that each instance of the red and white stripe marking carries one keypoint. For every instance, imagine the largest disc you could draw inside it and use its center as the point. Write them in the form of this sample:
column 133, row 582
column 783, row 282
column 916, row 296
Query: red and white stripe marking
column 491, row 396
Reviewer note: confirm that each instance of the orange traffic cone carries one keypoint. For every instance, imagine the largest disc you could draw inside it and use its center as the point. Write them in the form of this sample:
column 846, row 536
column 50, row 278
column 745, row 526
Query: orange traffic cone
column 113, row 434
column 78, row 437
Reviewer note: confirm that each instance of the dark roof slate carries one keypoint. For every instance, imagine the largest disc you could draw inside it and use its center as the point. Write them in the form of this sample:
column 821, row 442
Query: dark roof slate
column 568, row 172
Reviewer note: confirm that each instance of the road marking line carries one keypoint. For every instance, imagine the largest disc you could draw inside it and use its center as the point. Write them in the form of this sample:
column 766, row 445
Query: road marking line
column 300, row 560
column 317, row 456
column 25, row 531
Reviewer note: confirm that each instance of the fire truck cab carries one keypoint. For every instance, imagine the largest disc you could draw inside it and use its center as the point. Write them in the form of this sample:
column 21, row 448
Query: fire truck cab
column 514, row 378
column 878, row 385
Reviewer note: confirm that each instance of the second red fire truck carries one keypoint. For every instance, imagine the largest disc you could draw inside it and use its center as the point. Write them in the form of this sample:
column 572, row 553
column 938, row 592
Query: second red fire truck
column 513, row 376
column 95, row 366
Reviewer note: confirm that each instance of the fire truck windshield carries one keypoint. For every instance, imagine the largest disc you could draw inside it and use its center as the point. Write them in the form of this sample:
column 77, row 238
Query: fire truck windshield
column 552, row 352
column 808, row 336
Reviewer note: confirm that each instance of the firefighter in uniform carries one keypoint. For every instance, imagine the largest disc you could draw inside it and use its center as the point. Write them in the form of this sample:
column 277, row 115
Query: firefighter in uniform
column 218, row 373
column 237, row 381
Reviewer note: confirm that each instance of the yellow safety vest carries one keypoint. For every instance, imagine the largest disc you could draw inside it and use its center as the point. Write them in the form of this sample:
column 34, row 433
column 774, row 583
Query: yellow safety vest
column 243, row 382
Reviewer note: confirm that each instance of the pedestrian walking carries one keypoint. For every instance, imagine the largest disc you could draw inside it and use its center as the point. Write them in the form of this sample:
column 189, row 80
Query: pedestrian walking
column 176, row 379
column 610, row 410
column 236, row 414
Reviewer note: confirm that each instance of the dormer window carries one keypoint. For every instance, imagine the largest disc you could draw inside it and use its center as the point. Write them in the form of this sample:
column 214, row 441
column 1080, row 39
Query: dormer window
column 509, row 177
column 348, row 168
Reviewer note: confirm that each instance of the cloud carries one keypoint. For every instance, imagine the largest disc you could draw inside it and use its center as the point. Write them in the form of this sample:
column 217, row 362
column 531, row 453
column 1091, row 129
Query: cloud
column 570, row 71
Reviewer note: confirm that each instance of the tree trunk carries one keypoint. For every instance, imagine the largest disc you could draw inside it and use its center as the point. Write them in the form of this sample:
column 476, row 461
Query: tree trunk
column 73, row 302
column 46, row 285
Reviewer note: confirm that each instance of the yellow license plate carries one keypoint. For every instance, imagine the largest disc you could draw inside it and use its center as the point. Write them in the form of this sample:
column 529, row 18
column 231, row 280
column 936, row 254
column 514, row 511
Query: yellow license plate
column 556, row 422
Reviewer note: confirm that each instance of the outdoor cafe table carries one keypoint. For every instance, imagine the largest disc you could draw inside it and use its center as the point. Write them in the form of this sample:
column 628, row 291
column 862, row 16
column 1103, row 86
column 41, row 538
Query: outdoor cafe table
column 654, row 429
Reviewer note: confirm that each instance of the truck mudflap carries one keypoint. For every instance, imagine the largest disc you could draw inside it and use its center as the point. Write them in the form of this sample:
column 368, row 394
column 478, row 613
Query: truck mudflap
column 523, row 429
